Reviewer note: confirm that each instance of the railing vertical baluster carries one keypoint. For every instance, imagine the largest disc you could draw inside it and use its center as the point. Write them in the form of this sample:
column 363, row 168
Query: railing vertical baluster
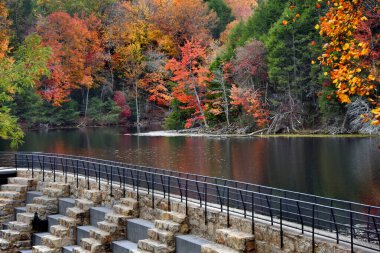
column 253, row 213
column 244, row 206
column 180, row 188
column 54, row 167
column 32, row 166
column 351, row 232
column 336, row 226
column 147, row 181
column 133, row 180
column 270, row 210
column 228, row 207
column 312, row 227
column 377, row 231
column 199, row 194
column 16, row 165
column 99, row 177
column 43, row 169
column 186, row 195
column 281, row 230
column 153, row 175
column 27, row 161
column 300, row 215
column 88, row 176
column 124, row 182
column 77, row 168
column 205, row 185
column 111, row 193
column 138, row 184
column 169, row 194
column 368, row 213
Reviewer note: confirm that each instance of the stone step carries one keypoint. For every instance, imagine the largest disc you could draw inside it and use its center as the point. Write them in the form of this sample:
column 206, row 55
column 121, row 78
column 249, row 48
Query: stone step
column 44, row 249
column 98, row 214
column 25, row 218
column 68, row 249
column 20, row 209
column 5, row 225
column 154, row 246
column 94, row 245
column 80, row 215
column 55, row 193
column 138, row 251
column 137, row 229
column 65, row 203
column 11, row 195
column 5, row 202
column 37, row 238
column 189, row 243
column 174, row 216
column 102, row 236
column 56, row 242
column 67, row 222
column 217, row 248
column 84, row 204
column 162, row 236
column 123, row 246
column 15, row 187
column 125, row 210
column 79, row 249
column 168, row 225
column 50, row 203
column 130, row 202
column 118, row 219
column 30, row 182
column 10, row 235
column 83, row 232
column 61, row 231
column 235, row 239
column 53, row 220
column 19, row 226
column 39, row 209
column 93, row 195
column 30, row 195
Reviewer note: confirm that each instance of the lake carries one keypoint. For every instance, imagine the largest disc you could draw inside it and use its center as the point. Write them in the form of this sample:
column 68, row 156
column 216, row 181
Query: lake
column 337, row 167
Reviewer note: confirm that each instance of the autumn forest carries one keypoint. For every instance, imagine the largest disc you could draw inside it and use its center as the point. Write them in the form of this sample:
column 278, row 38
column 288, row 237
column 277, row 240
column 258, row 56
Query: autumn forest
column 221, row 66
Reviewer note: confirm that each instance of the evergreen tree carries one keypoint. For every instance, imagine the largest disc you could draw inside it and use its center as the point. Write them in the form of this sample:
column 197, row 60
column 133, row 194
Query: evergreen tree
column 224, row 15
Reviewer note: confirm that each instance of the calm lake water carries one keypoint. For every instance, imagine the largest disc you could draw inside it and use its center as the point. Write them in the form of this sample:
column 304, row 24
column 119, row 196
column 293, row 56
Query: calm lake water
column 344, row 168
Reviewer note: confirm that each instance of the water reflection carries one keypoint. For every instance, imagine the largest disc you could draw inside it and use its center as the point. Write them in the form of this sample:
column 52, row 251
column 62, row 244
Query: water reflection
column 345, row 168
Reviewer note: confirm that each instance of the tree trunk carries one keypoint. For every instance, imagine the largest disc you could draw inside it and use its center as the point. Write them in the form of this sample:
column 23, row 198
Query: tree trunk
column 226, row 109
column 86, row 107
column 137, row 108
column 200, row 107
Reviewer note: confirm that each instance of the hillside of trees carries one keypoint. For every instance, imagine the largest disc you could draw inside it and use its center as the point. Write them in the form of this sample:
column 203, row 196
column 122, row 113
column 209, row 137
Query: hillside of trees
column 271, row 66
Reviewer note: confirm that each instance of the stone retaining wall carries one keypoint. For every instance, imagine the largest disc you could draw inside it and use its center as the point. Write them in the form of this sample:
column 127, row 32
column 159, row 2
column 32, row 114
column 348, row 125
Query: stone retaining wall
column 267, row 237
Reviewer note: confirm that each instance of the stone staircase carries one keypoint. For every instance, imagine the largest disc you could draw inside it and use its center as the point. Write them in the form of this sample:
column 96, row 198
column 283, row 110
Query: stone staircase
column 13, row 195
column 161, row 238
column 65, row 233
column 19, row 233
column 113, row 228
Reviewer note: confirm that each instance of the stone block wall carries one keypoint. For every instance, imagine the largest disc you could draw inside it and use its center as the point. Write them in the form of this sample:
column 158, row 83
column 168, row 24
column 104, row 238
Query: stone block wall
column 267, row 237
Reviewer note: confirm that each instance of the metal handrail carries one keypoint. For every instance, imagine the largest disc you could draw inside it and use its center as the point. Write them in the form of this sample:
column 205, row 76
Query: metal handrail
column 344, row 224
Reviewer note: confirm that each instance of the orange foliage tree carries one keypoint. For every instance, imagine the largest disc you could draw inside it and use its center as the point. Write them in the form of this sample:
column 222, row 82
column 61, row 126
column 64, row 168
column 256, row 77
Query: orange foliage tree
column 242, row 9
column 192, row 77
column 351, row 51
column 76, row 55
column 184, row 20
column 4, row 32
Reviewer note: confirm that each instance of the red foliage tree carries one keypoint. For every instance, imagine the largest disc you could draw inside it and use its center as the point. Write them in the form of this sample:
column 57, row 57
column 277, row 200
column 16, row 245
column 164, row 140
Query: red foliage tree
column 120, row 100
column 192, row 77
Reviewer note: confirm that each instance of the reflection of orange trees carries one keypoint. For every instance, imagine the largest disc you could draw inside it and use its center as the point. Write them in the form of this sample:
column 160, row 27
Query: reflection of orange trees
column 352, row 52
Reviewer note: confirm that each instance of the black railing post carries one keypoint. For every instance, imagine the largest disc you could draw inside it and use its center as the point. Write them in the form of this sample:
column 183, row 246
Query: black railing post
column 43, row 168
column 377, row 231
column 77, row 171
column 138, row 185
column 186, row 195
column 124, row 182
column 88, row 176
column 99, row 177
column 32, row 166
column 15, row 157
column 169, row 207
column 111, row 193
column 336, row 226
column 153, row 175
column 205, row 203
column 281, row 230
column 253, row 213
column 54, row 169
column 300, row 215
column 352, row 232
column 312, row 227
column 228, row 207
